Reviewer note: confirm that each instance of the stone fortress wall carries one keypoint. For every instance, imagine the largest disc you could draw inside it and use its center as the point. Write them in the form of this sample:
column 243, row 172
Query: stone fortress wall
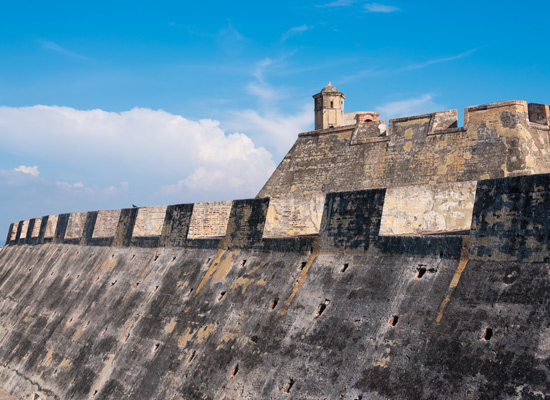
column 429, row 165
column 408, row 262
column 498, row 140
column 344, row 313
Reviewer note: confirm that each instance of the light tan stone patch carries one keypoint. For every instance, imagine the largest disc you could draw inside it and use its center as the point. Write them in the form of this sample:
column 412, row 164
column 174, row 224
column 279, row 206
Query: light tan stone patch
column 149, row 221
column 106, row 223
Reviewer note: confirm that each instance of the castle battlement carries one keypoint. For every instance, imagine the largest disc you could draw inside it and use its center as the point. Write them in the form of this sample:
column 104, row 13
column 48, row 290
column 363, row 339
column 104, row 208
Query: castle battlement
column 411, row 211
column 509, row 138
column 428, row 164
column 406, row 260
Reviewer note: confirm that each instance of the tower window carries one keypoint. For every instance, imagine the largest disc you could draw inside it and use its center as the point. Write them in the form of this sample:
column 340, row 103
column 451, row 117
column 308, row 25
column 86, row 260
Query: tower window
column 332, row 104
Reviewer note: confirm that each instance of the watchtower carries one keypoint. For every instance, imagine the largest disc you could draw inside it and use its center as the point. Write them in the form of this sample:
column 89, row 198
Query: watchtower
column 329, row 108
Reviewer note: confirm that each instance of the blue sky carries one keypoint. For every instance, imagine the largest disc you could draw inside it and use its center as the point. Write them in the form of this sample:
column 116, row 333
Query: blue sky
column 105, row 104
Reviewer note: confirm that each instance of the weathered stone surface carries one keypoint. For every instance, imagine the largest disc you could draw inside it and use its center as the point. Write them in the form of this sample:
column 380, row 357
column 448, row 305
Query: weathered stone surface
column 246, row 224
column 51, row 226
column 209, row 219
column 267, row 298
column 497, row 140
column 427, row 209
column 24, row 228
column 106, row 223
column 36, row 227
column 369, row 316
column 75, row 227
column 510, row 221
column 149, row 221
column 6, row 396
column 294, row 216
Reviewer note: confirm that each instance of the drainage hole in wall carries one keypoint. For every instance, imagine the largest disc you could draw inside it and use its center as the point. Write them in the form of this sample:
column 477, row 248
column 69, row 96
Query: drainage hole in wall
column 243, row 263
column 104, row 332
column 155, row 289
column 126, row 338
column 72, row 382
column 274, row 303
column 112, row 255
column 71, row 320
column 93, row 395
column 207, row 261
column 156, row 347
column 30, row 269
column 303, row 265
column 344, row 267
column 113, row 283
column 189, row 293
column 488, row 334
column 322, row 307
column 55, row 372
column 78, row 276
column 66, row 276
column 136, row 285
column 173, row 259
column 191, row 356
column 156, row 258
column 289, row 385
column 393, row 320
column 420, row 271
column 133, row 256
column 221, row 296
column 512, row 273
column 235, row 370
column 320, row 310
column 255, row 339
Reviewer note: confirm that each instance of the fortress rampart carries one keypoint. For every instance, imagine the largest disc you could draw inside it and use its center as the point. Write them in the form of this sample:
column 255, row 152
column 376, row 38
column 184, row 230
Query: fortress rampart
column 430, row 166
column 498, row 140
column 238, row 316
column 413, row 264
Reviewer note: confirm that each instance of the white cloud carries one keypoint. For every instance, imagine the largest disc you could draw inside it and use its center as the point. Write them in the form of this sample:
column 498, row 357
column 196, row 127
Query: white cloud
column 61, row 50
column 297, row 30
column 413, row 106
column 67, row 185
column 358, row 75
column 338, row 3
column 441, row 60
column 230, row 40
column 149, row 149
column 275, row 129
column 260, row 68
column 264, row 91
column 28, row 170
column 260, row 87
column 380, row 8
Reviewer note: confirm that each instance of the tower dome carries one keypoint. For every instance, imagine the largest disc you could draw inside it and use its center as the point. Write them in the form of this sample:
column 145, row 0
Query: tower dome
column 329, row 89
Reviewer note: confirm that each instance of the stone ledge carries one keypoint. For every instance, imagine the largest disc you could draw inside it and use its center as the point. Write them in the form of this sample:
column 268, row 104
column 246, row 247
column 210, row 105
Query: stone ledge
column 497, row 105
column 327, row 131
column 373, row 140
column 446, row 131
